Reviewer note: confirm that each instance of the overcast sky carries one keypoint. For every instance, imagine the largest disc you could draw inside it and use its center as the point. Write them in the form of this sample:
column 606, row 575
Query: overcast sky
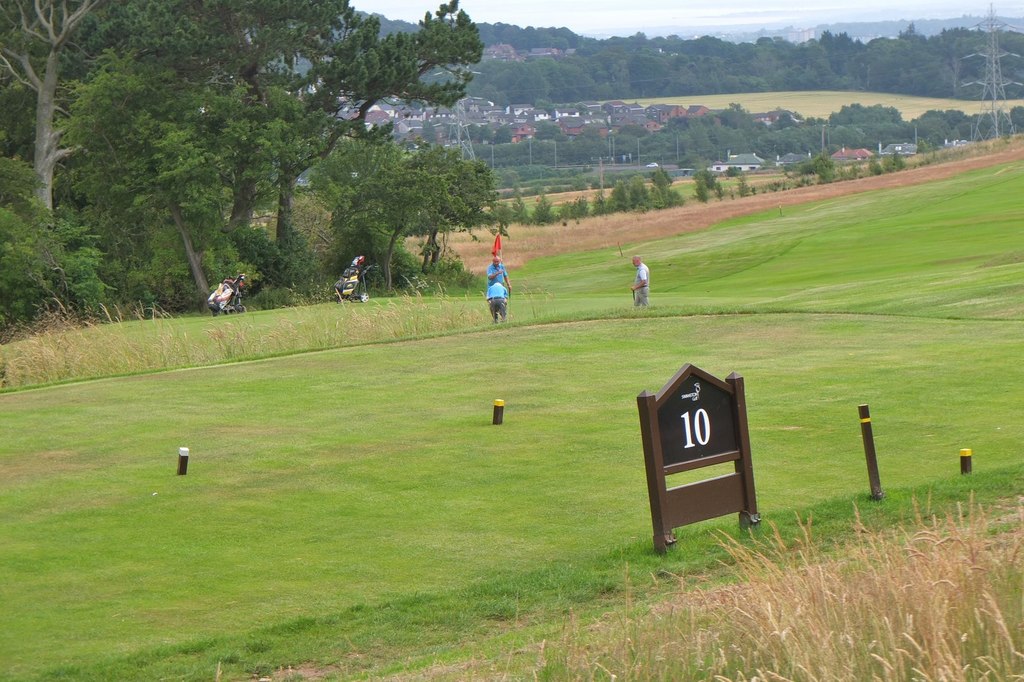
column 604, row 17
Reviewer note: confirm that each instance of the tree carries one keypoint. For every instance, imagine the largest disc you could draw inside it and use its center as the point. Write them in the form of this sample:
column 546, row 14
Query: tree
column 704, row 182
column 355, row 73
column 156, row 158
column 662, row 195
column 858, row 114
column 380, row 194
column 255, row 92
column 502, row 135
column 520, row 214
column 464, row 197
column 743, row 187
column 44, row 258
column 639, row 196
column 549, row 130
column 17, row 133
column 33, row 37
column 824, row 167
column 619, row 199
column 21, row 268
column 575, row 210
column 543, row 211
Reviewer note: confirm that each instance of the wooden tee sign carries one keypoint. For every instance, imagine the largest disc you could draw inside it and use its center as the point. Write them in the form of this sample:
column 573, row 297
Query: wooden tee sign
column 695, row 421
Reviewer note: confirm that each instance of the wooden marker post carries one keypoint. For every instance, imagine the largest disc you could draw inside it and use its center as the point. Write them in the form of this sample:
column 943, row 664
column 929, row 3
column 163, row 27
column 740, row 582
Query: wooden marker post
column 965, row 460
column 499, row 412
column 182, row 461
column 869, row 452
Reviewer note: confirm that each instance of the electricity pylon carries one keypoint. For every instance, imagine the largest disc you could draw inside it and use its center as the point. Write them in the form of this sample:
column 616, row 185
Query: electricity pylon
column 994, row 120
column 458, row 131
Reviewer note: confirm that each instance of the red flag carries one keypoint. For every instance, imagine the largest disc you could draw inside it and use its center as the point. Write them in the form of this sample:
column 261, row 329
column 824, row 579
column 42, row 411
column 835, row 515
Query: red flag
column 496, row 251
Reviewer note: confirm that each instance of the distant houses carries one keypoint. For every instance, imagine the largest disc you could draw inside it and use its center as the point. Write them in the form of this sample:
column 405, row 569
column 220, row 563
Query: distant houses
column 742, row 162
column 770, row 118
column 663, row 113
column 519, row 122
column 845, row 155
column 901, row 149
column 521, row 119
column 792, row 159
column 502, row 53
column 896, row 149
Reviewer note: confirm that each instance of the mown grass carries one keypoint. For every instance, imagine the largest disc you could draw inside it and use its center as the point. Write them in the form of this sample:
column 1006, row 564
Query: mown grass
column 918, row 252
column 352, row 511
column 828, row 256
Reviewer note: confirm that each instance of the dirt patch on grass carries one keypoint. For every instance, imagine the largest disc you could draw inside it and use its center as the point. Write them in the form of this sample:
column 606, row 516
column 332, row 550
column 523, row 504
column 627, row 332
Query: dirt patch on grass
column 525, row 242
column 31, row 468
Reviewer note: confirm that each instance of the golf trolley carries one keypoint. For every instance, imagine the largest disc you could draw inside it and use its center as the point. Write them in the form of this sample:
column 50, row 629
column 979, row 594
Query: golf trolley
column 352, row 284
column 227, row 297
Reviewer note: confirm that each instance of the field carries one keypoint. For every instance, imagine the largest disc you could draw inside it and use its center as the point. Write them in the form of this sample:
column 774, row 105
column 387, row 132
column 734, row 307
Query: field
column 614, row 230
column 350, row 511
column 820, row 104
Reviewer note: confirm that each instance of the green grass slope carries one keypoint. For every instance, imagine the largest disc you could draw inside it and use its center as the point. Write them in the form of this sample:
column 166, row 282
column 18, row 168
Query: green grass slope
column 947, row 249
column 353, row 508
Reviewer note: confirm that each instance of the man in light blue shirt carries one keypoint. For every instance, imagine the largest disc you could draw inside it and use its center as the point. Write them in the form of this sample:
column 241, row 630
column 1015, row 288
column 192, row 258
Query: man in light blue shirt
column 642, row 282
column 497, row 301
column 496, row 272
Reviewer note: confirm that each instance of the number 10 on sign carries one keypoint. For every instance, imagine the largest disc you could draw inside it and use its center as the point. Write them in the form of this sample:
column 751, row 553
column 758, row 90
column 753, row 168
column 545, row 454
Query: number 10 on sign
column 698, row 426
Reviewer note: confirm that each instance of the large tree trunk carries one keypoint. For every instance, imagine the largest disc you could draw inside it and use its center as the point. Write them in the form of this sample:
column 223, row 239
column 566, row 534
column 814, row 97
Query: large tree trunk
column 47, row 147
column 47, row 153
column 431, row 250
column 53, row 24
column 242, row 207
column 387, row 257
column 286, row 194
column 195, row 259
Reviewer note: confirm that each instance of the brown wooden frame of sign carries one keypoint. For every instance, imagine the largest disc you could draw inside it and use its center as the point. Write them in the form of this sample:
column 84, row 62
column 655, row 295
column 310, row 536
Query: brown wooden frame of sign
column 705, row 499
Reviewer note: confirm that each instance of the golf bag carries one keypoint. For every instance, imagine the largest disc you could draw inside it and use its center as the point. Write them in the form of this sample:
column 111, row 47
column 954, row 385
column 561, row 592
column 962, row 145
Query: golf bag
column 227, row 297
column 352, row 284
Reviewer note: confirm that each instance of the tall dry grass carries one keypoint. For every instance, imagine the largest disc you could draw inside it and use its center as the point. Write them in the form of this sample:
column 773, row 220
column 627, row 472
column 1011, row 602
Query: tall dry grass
column 66, row 349
column 941, row 601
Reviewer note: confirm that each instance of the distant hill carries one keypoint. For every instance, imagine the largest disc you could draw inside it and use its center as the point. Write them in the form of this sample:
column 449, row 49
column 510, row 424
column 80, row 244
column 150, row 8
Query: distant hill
column 493, row 34
column 857, row 30
column 564, row 38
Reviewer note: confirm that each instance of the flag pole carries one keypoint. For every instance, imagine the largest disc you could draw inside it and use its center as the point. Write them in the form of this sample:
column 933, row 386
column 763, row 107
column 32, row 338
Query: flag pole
column 496, row 251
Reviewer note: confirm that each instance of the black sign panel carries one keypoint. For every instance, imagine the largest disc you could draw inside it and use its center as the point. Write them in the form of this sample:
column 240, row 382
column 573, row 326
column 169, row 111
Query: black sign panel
column 695, row 421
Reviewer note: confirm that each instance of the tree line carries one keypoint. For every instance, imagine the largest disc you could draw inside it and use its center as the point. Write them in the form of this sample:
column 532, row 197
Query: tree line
column 947, row 65
column 152, row 148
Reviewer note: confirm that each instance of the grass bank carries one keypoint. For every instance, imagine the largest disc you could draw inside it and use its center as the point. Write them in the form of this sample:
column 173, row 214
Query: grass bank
column 352, row 511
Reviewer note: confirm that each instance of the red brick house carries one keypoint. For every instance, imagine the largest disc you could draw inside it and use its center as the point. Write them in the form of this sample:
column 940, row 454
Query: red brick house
column 847, row 155
column 523, row 131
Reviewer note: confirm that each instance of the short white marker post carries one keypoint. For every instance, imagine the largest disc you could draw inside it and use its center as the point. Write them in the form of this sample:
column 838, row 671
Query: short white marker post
column 182, row 461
